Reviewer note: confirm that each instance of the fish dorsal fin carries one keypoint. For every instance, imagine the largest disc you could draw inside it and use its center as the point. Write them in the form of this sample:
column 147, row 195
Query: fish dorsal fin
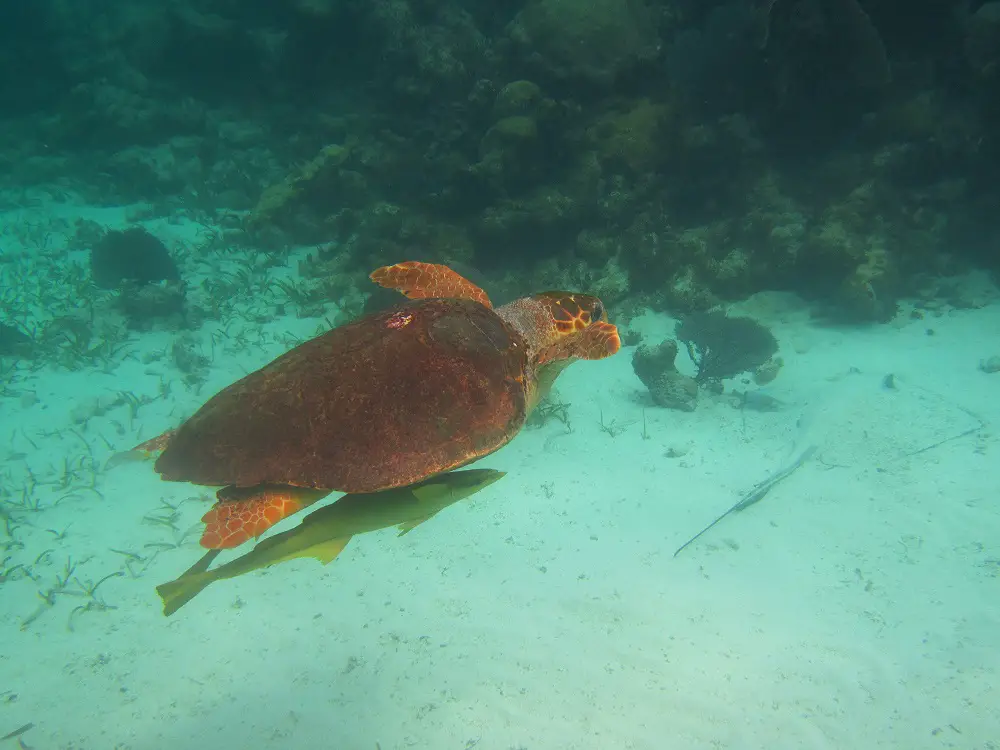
column 418, row 280
column 407, row 526
column 325, row 551
column 439, row 492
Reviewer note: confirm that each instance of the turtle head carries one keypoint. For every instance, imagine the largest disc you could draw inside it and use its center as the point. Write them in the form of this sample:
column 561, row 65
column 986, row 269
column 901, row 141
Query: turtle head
column 563, row 326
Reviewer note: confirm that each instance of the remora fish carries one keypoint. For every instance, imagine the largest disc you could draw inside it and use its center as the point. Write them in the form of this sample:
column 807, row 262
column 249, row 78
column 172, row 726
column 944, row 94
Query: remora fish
column 324, row 533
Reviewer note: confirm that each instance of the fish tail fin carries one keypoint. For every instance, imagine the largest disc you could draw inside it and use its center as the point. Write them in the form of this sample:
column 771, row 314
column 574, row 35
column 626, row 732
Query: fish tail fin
column 175, row 594
column 192, row 582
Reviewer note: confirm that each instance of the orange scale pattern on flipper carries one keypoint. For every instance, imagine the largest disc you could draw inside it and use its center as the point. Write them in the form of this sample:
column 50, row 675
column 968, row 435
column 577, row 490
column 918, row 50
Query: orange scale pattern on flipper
column 246, row 513
column 418, row 280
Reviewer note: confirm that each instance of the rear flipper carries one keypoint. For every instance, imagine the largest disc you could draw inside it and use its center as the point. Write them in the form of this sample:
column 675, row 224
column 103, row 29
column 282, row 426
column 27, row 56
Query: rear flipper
column 155, row 446
column 244, row 513
column 142, row 452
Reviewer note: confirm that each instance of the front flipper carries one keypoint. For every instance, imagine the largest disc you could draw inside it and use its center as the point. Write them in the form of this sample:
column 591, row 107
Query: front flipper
column 418, row 280
column 244, row 513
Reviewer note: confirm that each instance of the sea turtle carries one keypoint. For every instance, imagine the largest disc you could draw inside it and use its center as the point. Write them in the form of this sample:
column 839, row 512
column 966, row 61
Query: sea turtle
column 385, row 401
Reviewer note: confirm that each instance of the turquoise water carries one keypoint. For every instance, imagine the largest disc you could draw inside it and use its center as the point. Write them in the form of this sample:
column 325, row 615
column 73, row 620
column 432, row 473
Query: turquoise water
column 771, row 521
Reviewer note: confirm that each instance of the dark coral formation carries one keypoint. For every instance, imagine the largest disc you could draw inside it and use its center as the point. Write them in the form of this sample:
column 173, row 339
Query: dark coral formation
column 130, row 257
column 683, row 152
column 723, row 346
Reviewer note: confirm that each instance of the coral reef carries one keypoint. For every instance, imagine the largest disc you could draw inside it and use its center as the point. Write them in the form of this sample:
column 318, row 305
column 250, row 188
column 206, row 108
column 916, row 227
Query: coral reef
column 594, row 41
column 310, row 181
column 982, row 39
column 723, row 346
column 654, row 366
column 678, row 153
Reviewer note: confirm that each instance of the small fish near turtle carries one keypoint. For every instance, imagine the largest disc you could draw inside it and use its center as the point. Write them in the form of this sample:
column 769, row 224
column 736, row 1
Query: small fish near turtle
column 386, row 401
column 324, row 533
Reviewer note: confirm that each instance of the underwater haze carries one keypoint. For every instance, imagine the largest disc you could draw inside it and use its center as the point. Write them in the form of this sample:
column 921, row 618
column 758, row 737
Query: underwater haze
column 301, row 450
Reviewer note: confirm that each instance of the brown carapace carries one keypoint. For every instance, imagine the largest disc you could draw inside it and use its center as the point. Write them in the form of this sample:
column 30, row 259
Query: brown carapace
column 385, row 401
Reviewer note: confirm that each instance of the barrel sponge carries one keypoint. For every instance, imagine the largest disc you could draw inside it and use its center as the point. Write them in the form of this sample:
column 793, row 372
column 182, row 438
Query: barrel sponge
column 130, row 256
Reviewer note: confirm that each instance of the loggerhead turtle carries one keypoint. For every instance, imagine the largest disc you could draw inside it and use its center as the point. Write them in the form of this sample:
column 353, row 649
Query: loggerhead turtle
column 385, row 401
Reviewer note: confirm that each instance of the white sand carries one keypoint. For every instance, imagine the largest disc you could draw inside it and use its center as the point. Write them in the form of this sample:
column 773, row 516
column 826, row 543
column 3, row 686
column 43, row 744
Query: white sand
column 856, row 606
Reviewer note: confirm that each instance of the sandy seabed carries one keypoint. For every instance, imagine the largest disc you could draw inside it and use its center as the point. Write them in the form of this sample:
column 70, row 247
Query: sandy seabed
column 856, row 606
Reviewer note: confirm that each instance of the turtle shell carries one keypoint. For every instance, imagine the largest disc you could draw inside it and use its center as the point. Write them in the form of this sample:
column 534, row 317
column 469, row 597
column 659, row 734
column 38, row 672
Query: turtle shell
column 381, row 402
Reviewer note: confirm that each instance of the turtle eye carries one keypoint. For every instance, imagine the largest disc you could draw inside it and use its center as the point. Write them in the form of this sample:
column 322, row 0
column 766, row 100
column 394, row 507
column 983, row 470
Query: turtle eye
column 597, row 313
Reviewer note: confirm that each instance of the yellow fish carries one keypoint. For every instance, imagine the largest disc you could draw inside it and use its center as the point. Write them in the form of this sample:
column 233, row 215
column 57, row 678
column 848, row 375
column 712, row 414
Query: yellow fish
column 324, row 533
